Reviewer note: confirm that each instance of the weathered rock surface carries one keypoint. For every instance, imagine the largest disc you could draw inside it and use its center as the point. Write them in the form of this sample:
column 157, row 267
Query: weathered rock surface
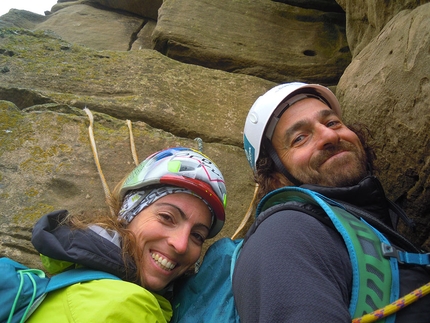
column 46, row 164
column 274, row 41
column 145, row 8
column 387, row 87
column 186, row 100
column 365, row 19
column 98, row 29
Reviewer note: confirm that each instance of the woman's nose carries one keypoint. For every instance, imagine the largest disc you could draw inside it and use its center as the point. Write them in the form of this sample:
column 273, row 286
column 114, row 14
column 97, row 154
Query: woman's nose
column 179, row 240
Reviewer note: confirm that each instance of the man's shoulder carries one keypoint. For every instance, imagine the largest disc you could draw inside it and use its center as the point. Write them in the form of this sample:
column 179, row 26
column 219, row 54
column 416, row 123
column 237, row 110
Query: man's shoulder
column 293, row 216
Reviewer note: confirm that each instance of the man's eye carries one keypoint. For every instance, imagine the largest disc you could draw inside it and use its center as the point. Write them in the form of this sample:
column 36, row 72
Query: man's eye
column 333, row 123
column 298, row 139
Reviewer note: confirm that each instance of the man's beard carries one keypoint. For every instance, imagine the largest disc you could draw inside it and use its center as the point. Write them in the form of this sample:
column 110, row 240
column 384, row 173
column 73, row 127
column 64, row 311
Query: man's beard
column 346, row 170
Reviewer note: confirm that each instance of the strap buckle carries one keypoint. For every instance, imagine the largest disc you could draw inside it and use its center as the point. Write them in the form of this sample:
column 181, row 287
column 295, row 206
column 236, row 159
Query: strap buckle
column 422, row 259
column 391, row 252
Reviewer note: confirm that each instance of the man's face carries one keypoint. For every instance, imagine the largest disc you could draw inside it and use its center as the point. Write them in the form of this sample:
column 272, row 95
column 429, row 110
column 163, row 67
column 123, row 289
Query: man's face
column 316, row 147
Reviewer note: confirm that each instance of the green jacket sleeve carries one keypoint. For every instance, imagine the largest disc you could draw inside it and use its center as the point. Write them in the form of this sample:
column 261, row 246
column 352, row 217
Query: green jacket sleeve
column 104, row 300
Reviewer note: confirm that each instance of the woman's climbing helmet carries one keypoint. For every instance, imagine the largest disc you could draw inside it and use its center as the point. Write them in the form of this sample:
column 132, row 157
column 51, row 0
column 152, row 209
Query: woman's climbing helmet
column 267, row 110
column 184, row 168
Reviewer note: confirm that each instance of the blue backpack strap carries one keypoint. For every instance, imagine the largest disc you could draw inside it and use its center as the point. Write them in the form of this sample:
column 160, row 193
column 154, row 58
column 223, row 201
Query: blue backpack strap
column 68, row 278
column 19, row 287
column 403, row 257
column 364, row 248
column 22, row 289
column 77, row 275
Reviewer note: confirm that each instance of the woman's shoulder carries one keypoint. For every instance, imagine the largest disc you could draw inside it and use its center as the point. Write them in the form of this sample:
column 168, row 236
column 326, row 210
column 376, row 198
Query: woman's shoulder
column 103, row 300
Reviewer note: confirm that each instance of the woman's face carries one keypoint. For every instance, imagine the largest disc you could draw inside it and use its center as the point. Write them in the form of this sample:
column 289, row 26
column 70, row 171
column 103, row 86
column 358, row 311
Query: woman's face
column 169, row 234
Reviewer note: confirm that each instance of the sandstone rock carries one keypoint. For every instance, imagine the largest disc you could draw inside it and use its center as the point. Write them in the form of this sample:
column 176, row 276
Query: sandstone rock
column 270, row 40
column 46, row 164
column 98, row 29
column 144, row 8
column 277, row 42
column 387, row 87
column 365, row 19
column 21, row 19
column 186, row 100
column 323, row 5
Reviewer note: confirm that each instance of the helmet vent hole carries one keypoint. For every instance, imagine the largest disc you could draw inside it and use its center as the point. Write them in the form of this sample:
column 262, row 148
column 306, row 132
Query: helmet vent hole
column 309, row 52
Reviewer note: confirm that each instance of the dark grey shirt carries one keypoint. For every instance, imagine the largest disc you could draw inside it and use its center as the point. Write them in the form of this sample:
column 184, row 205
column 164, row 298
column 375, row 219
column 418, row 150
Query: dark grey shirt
column 294, row 268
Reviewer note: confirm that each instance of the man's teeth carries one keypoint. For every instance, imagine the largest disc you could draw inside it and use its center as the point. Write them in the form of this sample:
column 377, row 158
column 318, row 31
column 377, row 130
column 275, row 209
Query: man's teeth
column 163, row 262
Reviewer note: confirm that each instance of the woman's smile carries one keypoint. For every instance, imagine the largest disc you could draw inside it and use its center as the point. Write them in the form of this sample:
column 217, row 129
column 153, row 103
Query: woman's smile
column 170, row 233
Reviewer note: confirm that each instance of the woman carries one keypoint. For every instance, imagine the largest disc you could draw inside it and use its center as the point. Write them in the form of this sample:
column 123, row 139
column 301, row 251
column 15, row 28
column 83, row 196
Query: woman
column 164, row 211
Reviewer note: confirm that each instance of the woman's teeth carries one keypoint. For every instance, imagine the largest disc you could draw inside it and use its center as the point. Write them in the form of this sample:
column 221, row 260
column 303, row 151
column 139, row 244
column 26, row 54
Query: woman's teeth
column 163, row 262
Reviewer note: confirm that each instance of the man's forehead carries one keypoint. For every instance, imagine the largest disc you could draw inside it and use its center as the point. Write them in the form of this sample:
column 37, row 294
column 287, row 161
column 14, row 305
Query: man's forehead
column 282, row 108
column 297, row 118
column 306, row 109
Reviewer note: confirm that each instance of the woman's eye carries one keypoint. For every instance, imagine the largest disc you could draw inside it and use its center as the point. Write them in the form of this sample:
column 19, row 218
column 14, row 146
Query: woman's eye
column 200, row 239
column 166, row 217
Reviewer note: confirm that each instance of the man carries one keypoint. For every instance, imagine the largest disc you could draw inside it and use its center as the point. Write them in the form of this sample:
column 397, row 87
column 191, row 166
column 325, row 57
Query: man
column 295, row 267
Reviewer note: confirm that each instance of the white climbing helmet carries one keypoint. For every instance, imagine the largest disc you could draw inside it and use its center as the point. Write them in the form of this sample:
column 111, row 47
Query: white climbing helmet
column 268, row 108
column 187, row 168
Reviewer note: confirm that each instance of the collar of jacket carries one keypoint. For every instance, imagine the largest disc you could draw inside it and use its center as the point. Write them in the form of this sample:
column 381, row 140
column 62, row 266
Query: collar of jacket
column 367, row 194
column 86, row 248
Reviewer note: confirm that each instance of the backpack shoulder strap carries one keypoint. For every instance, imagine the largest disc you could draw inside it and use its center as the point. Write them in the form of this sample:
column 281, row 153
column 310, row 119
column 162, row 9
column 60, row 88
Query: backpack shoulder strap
column 22, row 289
column 68, row 278
column 393, row 235
column 77, row 275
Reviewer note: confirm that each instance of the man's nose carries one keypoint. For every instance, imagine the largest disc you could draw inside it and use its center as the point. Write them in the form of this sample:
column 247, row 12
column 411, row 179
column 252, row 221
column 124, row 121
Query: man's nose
column 327, row 137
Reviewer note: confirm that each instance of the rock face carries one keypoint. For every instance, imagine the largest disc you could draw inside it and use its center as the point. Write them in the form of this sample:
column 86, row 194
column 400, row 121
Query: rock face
column 182, row 70
column 392, row 96
column 274, row 41
column 366, row 19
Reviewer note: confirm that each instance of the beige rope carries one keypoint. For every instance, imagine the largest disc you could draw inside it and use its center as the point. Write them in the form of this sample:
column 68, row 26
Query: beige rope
column 96, row 156
column 133, row 146
column 247, row 214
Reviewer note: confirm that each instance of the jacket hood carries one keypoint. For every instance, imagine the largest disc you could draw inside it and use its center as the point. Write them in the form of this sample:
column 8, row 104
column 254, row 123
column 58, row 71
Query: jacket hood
column 93, row 248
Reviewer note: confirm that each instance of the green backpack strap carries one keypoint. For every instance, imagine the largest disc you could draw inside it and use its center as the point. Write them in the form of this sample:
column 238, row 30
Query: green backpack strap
column 375, row 277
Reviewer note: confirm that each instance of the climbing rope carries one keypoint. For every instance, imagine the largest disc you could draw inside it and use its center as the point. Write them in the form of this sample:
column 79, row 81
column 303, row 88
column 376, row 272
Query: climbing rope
column 96, row 156
column 247, row 214
column 132, row 145
column 395, row 306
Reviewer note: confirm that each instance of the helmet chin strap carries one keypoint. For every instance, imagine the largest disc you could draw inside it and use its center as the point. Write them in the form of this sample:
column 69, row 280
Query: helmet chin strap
column 278, row 163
